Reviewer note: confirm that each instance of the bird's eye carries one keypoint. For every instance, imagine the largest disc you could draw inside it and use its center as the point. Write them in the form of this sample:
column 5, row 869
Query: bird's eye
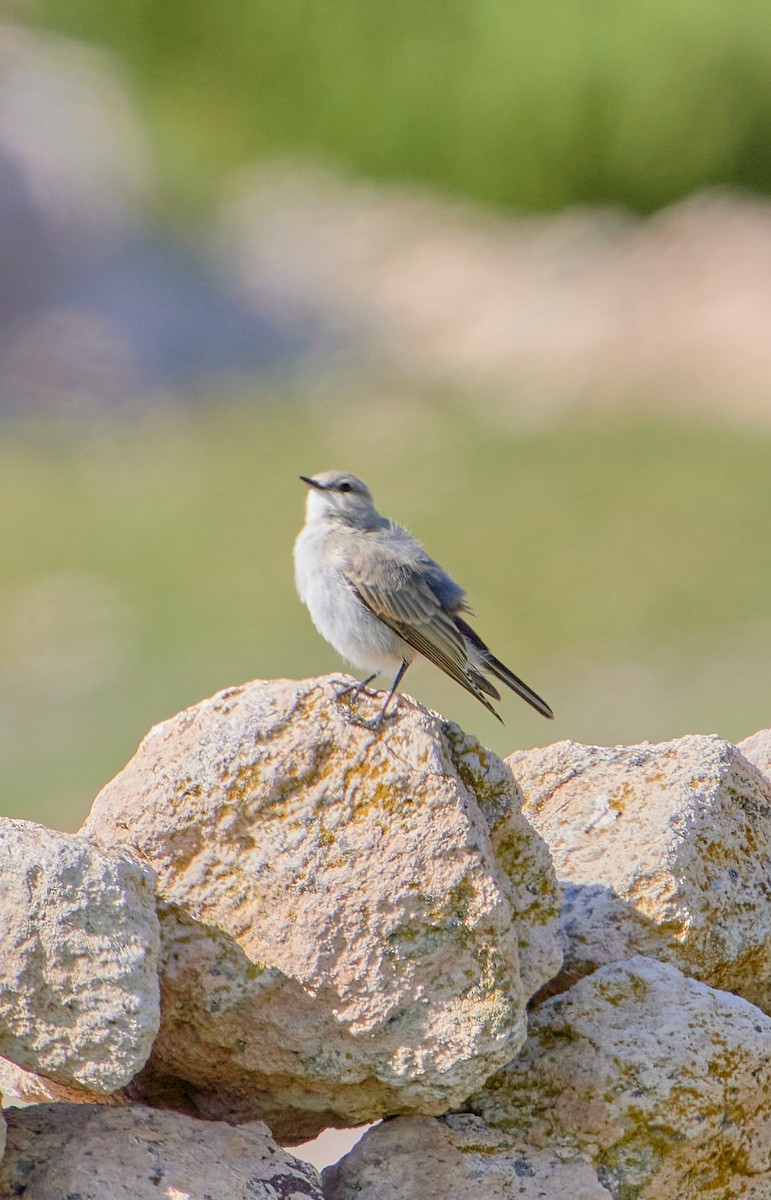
column 345, row 487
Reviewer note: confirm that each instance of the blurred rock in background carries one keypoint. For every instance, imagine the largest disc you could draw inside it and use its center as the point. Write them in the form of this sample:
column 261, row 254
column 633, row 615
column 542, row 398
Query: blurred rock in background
column 590, row 309
column 100, row 305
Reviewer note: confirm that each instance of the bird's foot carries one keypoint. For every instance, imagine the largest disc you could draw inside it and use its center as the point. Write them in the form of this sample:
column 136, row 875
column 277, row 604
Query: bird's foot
column 388, row 714
column 375, row 723
column 357, row 689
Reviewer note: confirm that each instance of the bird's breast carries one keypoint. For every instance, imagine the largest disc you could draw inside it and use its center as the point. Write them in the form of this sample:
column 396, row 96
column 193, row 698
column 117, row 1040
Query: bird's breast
column 339, row 616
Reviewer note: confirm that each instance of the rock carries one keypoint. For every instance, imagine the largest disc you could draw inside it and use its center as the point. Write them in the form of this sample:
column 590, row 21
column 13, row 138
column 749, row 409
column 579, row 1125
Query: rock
column 78, row 988
column 757, row 749
column 662, row 850
column 135, row 1153
column 16, row 1084
column 454, row 1158
column 353, row 919
column 662, row 1083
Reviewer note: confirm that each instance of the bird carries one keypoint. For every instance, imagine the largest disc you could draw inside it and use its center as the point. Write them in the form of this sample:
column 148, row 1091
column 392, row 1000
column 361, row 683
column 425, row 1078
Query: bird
column 379, row 599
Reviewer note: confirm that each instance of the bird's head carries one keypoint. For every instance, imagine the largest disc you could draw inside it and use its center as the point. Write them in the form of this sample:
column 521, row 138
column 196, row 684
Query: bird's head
column 340, row 494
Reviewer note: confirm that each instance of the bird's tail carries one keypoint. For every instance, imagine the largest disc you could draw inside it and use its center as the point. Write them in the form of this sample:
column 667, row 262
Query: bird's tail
column 502, row 672
column 487, row 660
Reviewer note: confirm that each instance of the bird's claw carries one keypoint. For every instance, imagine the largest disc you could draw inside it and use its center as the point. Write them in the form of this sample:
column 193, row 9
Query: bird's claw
column 374, row 723
column 358, row 689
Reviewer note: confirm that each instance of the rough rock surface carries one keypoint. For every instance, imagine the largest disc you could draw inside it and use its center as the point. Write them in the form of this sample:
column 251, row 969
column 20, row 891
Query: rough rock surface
column 662, row 1083
column 78, row 988
column 455, row 1158
column 353, row 918
column 58, row 1151
column 662, row 850
column 16, row 1085
column 757, row 748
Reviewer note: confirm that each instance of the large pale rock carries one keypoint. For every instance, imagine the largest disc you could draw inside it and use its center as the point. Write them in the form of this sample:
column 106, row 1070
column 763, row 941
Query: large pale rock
column 661, row 1083
column 662, row 850
column 353, row 918
column 16, row 1085
column 88, row 1152
column 757, row 748
column 78, row 987
column 455, row 1158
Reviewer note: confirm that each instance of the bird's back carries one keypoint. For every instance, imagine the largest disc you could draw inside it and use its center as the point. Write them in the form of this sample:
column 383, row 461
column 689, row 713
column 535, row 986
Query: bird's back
column 391, row 560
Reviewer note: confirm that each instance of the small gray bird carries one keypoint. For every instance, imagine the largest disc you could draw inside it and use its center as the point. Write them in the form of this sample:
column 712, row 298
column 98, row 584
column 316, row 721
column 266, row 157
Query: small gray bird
column 377, row 597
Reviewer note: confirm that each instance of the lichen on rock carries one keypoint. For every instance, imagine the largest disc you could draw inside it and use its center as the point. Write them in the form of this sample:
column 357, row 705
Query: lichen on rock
column 662, row 1083
column 662, row 850
column 353, row 918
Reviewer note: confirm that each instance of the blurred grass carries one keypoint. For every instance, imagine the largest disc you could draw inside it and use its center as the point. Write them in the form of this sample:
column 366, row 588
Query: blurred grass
column 536, row 104
column 622, row 570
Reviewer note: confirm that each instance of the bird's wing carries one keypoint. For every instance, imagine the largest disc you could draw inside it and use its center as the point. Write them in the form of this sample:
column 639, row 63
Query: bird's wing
column 397, row 581
column 398, row 592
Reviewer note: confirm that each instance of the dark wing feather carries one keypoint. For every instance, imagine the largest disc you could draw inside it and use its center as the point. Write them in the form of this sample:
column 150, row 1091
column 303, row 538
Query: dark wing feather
column 501, row 671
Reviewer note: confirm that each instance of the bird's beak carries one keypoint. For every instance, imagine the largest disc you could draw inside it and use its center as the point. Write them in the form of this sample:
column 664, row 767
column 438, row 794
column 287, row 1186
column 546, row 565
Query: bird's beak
column 312, row 482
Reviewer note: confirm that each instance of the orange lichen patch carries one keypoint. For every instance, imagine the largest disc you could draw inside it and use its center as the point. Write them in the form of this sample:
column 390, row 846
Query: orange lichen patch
column 620, row 796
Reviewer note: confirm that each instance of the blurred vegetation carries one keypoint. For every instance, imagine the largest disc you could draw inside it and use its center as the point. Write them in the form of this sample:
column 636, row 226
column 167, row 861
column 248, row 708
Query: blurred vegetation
column 536, row 104
column 622, row 570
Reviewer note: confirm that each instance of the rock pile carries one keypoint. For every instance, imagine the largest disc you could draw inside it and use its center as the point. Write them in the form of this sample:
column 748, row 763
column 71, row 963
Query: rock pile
column 279, row 918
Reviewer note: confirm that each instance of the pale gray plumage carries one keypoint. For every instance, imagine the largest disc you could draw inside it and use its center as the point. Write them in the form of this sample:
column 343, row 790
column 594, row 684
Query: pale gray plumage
column 378, row 598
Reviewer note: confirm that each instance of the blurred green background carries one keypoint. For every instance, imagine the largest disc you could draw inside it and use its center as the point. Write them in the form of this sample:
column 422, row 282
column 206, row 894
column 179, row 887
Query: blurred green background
column 618, row 562
column 532, row 103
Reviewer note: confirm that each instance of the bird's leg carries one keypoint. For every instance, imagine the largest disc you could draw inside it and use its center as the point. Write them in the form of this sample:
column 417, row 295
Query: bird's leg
column 356, row 688
column 397, row 681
